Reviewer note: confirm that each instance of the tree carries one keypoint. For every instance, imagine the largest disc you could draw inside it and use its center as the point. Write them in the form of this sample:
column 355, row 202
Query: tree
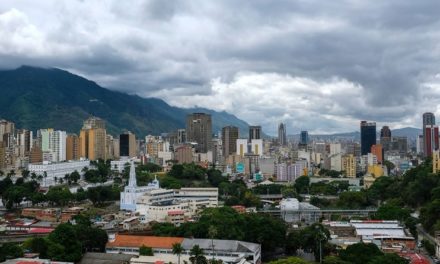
column 392, row 212
column 334, row 260
column 25, row 174
column 388, row 259
column 59, row 195
column 430, row 248
column 360, row 253
column 65, row 236
column 37, row 245
column 146, row 251
column 290, row 260
column 197, row 255
column 177, row 250
column 10, row 250
column 302, row 184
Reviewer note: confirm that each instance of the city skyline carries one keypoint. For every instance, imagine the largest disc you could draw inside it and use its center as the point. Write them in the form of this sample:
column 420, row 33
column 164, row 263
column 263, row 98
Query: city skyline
column 192, row 54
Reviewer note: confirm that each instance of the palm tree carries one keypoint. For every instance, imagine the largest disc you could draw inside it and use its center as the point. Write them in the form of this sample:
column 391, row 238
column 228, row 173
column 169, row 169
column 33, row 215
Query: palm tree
column 33, row 176
column 177, row 250
column 25, row 174
column 197, row 255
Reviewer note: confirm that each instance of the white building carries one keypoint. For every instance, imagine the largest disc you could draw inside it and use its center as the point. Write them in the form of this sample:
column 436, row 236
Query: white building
column 242, row 146
column 155, row 205
column 57, row 170
column 53, row 144
column 257, row 147
column 132, row 192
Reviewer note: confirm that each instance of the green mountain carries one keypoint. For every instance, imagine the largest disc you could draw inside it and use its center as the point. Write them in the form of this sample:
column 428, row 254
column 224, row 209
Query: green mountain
column 36, row 98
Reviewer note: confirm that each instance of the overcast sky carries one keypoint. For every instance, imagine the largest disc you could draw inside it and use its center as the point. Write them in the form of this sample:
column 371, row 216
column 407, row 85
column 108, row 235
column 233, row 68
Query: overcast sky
column 315, row 65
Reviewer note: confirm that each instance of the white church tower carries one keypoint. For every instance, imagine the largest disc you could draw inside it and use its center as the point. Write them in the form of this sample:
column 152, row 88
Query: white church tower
column 132, row 192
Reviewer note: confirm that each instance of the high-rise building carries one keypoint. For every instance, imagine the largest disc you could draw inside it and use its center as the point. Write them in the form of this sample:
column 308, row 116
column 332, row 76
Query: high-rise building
column 431, row 140
column 385, row 137
column 229, row 137
column 53, row 144
column 368, row 136
column 254, row 132
column 304, row 138
column 378, row 151
column 349, row 165
column 199, row 130
column 282, row 138
column 127, row 145
column 428, row 120
column 36, row 155
column 242, row 147
column 24, row 142
column 181, row 136
column 436, row 161
column 2, row 155
column 93, row 139
column 72, row 147
column 6, row 127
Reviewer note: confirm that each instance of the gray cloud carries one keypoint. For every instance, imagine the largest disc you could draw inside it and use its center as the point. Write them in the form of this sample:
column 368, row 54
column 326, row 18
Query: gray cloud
column 189, row 52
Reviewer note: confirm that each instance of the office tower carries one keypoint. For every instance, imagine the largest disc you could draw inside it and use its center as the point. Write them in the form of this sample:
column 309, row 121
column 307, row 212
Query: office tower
column 304, row 138
column 368, row 136
column 428, row 120
column 229, row 138
column 199, row 130
column 72, row 147
column 127, row 145
column 2, row 155
column 181, row 136
column 254, row 132
column 92, row 139
column 378, row 151
column 385, row 137
column 431, row 139
column 24, row 142
column 282, row 138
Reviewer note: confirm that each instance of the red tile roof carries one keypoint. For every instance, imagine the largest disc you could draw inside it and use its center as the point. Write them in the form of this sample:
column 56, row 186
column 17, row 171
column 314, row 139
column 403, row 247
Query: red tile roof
column 148, row 241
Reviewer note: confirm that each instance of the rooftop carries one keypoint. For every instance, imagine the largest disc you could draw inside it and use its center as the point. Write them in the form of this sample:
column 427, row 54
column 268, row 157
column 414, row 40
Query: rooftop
column 148, row 241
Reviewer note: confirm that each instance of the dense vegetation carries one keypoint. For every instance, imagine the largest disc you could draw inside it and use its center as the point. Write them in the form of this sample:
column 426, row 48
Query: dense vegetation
column 68, row 242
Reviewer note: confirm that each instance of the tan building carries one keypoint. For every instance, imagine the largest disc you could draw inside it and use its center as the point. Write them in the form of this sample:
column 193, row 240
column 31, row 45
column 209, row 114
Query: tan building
column 349, row 165
column 436, row 161
column 72, row 147
column 36, row 155
column 2, row 155
column 92, row 139
column 184, row 154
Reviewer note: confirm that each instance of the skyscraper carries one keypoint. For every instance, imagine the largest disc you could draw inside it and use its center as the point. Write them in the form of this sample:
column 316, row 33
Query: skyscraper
column 282, row 139
column 431, row 139
column 229, row 138
column 127, row 145
column 72, row 147
column 385, row 137
column 368, row 136
column 428, row 120
column 93, row 139
column 24, row 142
column 254, row 132
column 304, row 138
column 199, row 130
